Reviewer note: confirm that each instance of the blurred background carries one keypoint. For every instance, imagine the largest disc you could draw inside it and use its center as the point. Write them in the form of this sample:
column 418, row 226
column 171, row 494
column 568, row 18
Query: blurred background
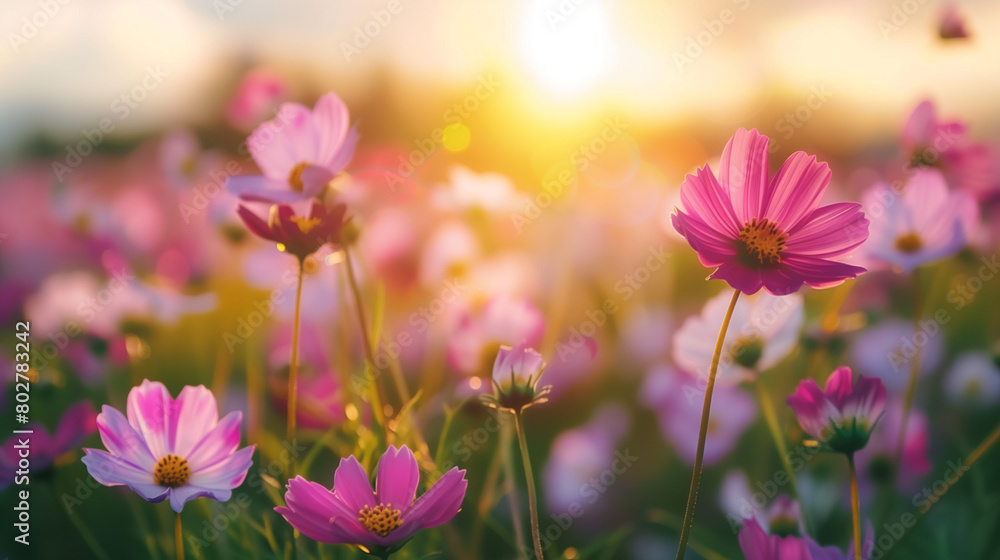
column 517, row 167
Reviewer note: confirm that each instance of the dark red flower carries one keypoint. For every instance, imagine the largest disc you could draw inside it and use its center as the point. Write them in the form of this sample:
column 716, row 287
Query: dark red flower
column 298, row 235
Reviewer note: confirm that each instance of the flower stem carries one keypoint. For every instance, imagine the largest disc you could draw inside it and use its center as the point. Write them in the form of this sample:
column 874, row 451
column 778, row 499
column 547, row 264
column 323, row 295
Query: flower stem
column 911, row 386
column 771, row 416
column 293, row 369
column 178, row 537
column 855, row 508
column 703, row 431
column 378, row 382
column 529, row 477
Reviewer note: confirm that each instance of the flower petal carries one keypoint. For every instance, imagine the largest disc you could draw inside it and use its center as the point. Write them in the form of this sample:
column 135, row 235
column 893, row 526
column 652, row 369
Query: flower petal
column 831, row 231
column 819, row 273
column 350, row 482
column 320, row 515
column 195, row 414
column 217, row 444
column 273, row 143
column 76, row 424
column 711, row 245
column 702, row 196
column 331, row 119
column 258, row 226
column 149, row 410
column 743, row 173
column 123, row 441
column 796, row 190
column 113, row 471
column 182, row 495
column 258, row 188
column 397, row 479
column 225, row 474
column 439, row 504
column 813, row 410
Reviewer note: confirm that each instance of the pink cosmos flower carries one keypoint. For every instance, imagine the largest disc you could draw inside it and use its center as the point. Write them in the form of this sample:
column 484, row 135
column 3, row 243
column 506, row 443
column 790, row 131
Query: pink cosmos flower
column 299, row 152
column 756, row 544
column 771, row 234
column 924, row 223
column 170, row 448
column 503, row 320
column 75, row 425
column 300, row 235
column 677, row 398
column 843, row 415
column 379, row 521
column 763, row 330
column 930, row 143
column 257, row 96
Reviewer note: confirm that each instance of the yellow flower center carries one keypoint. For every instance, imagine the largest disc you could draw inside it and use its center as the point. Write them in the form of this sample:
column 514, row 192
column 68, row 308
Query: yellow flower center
column 171, row 471
column 381, row 519
column 909, row 243
column 763, row 240
column 295, row 176
column 305, row 224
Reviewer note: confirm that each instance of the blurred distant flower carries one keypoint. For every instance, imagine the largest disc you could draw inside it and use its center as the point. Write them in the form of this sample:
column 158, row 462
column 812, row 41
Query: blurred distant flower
column 170, row 448
column 923, row 224
column 769, row 233
column 516, row 374
column 643, row 332
column 783, row 517
column 886, row 349
column 299, row 152
column 930, row 143
column 951, row 24
column 448, row 253
column 389, row 245
column 257, row 97
column 503, row 320
column 756, row 544
column 320, row 400
column 762, row 331
column 581, row 455
column 467, row 190
column 182, row 158
column 381, row 521
column 842, row 416
column 974, row 379
column 298, row 235
column 676, row 397
column 75, row 425
column 877, row 462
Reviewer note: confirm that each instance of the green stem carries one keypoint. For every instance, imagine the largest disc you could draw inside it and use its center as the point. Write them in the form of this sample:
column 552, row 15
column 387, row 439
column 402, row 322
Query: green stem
column 379, row 392
column 771, row 417
column 703, row 432
column 293, row 370
column 855, row 508
column 911, row 386
column 530, row 478
column 178, row 537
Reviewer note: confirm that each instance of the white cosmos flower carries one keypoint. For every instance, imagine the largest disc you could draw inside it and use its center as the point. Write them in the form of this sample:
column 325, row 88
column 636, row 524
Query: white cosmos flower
column 763, row 330
column 974, row 379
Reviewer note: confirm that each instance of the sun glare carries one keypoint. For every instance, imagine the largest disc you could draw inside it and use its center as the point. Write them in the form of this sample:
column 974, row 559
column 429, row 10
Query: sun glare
column 567, row 47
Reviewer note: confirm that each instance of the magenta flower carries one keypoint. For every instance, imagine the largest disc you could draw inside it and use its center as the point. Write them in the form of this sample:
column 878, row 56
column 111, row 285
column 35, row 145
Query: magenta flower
column 381, row 521
column 842, row 416
column 756, row 544
column 297, row 235
column 257, row 97
column 299, row 152
column 951, row 23
column 766, row 233
column 924, row 223
column 167, row 448
column 930, row 143
column 516, row 373
column 45, row 448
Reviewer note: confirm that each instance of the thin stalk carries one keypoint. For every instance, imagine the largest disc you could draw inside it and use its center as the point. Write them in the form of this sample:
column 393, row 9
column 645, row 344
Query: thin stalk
column 293, row 369
column 530, row 478
column 771, row 417
column 178, row 537
column 379, row 383
column 934, row 498
column 703, row 431
column 855, row 508
column 911, row 386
